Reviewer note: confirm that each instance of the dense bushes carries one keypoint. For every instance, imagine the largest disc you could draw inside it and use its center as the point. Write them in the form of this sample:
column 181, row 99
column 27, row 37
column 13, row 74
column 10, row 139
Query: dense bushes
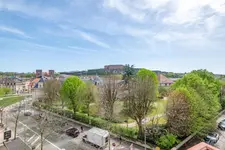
column 167, row 141
column 94, row 121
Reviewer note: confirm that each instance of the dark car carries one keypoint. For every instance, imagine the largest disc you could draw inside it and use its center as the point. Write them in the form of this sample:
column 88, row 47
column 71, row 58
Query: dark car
column 212, row 138
column 73, row 132
column 27, row 113
column 221, row 125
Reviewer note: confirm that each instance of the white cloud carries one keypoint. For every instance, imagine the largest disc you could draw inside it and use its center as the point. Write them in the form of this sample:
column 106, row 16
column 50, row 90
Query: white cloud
column 92, row 39
column 136, row 9
column 81, row 48
column 170, row 36
column 29, row 9
column 13, row 31
column 190, row 11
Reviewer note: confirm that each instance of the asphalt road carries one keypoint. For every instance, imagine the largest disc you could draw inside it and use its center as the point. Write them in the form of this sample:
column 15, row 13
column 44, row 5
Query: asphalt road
column 221, row 143
column 28, row 131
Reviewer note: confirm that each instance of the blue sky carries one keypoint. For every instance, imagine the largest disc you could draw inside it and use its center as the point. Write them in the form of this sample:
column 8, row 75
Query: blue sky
column 66, row 35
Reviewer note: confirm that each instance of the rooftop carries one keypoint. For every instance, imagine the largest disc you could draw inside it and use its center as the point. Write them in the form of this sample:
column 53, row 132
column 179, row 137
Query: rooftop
column 203, row 146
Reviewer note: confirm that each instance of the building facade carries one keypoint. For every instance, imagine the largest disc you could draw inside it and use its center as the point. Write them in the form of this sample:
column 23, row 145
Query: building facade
column 114, row 68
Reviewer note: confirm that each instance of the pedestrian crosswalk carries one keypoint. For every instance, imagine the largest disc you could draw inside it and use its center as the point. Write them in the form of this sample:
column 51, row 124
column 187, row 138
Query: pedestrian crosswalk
column 32, row 140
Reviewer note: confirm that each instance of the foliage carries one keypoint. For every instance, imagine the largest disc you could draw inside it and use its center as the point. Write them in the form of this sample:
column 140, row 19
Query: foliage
column 196, row 97
column 173, row 75
column 129, row 72
column 222, row 102
column 51, row 90
column 71, row 89
column 183, row 115
column 94, row 121
column 167, row 141
column 140, row 97
column 5, row 91
column 209, row 79
column 163, row 91
column 2, row 92
column 88, row 96
column 9, row 101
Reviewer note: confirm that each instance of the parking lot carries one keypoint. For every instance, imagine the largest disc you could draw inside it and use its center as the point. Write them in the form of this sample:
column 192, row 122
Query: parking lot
column 29, row 132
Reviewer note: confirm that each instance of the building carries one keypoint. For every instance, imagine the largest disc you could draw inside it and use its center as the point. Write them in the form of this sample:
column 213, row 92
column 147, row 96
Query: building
column 203, row 146
column 51, row 73
column 164, row 81
column 38, row 73
column 114, row 68
column 17, row 85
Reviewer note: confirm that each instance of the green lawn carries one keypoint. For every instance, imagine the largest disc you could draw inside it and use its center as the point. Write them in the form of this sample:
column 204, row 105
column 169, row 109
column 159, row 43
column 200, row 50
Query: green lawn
column 9, row 101
column 160, row 108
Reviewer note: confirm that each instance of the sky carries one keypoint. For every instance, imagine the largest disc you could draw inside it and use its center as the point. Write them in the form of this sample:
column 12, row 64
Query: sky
column 69, row 35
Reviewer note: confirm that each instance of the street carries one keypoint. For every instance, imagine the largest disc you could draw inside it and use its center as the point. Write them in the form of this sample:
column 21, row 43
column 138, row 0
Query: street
column 28, row 131
column 220, row 144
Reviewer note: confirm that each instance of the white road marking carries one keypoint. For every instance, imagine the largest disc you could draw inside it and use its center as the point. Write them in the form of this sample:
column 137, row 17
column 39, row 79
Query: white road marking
column 35, row 140
column 38, row 146
column 30, row 138
column 38, row 134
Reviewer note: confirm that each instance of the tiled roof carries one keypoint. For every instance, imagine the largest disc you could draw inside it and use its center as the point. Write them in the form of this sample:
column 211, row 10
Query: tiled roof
column 164, row 80
column 203, row 146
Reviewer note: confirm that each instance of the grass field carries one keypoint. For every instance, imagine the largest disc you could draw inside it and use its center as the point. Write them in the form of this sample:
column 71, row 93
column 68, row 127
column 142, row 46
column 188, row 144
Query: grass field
column 9, row 101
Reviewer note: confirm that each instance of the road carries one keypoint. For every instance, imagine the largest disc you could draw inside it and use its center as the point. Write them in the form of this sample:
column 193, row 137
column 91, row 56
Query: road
column 28, row 131
column 220, row 144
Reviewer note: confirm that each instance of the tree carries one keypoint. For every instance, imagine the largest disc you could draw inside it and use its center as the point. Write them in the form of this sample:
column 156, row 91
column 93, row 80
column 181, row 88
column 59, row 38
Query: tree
column 16, row 118
column 140, row 96
column 51, row 90
column 163, row 91
column 129, row 72
column 203, row 88
column 88, row 96
column 183, row 114
column 71, row 89
column 109, row 94
column 203, row 100
column 46, row 125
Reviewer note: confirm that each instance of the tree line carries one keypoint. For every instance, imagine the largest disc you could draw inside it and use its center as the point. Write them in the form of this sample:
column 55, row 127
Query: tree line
column 193, row 101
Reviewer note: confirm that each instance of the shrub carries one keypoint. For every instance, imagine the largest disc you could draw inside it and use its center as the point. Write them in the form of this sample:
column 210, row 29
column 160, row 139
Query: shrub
column 167, row 141
column 222, row 102
column 94, row 121
column 124, row 131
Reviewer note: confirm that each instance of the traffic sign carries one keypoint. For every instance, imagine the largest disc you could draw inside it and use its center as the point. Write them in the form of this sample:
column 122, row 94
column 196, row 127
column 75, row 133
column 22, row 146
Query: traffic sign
column 7, row 134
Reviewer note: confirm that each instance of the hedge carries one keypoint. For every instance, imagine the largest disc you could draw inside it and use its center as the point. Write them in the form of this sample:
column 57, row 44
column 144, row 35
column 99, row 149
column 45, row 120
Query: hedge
column 94, row 121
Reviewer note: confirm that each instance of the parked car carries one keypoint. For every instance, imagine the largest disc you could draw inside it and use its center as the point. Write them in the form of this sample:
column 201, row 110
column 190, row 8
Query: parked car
column 73, row 132
column 212, row 138
column 27, row 113
column 221, row 125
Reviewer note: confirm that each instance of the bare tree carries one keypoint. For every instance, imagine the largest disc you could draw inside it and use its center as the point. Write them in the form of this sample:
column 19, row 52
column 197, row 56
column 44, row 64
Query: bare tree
column 1, row 111
column 47, row 124
column 178, row 114
column 16, row 116
column 109, row 94
column 51, row 90
column 140, row 96
column 89, row 96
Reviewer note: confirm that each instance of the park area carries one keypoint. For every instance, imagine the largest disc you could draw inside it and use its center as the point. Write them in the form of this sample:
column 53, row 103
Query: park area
column 6, row 101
